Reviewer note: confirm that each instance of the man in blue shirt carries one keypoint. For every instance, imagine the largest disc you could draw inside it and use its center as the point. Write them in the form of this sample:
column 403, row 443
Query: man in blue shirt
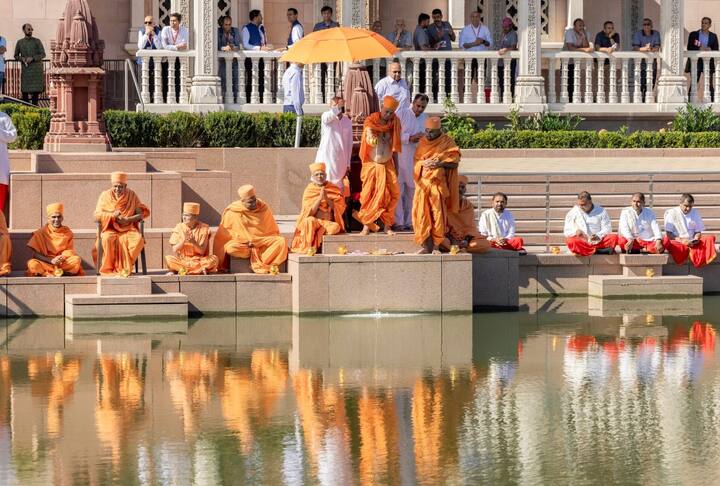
column 647, row 40
column 327, row 21
column 228, row 41
column 3, row 48
column 441, row 36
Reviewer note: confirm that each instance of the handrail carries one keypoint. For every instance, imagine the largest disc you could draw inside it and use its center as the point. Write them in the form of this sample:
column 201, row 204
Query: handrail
column 128, row 67
column 16, row 100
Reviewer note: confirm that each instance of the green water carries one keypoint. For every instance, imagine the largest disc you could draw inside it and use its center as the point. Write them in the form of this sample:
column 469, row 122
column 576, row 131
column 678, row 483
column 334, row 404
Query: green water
column 628, row 394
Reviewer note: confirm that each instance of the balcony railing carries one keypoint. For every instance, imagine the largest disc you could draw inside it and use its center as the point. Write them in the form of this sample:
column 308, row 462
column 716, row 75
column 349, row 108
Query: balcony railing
column 477, row 82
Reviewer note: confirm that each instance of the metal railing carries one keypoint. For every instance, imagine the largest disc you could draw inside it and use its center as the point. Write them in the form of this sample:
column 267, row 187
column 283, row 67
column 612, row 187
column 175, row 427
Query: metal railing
column 129, row 67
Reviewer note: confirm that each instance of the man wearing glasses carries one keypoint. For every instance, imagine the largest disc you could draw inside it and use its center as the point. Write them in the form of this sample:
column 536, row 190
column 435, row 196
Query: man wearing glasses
column 647, row 40
column 392, row 85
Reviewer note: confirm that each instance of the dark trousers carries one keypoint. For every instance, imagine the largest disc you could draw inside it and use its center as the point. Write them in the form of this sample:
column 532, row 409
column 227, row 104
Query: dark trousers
column 501, row 78
column 248, row 78
column 700, row 70
column 27, row 96
column 169, row 82
column 234, row 70
column 643, row 76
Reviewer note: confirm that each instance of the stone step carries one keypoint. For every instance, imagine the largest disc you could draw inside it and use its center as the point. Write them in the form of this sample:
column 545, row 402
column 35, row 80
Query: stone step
column 400, row 242
column 99, row 162
column 242, row 265
column 157, row 306
column 135, row 285
column 620, row 286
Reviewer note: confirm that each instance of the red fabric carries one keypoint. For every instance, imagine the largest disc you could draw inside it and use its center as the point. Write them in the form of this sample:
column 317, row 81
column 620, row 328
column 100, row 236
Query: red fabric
column 515, row 244
column 3, row 196
column 700, row 255
column 581, row 247
column 649, row 246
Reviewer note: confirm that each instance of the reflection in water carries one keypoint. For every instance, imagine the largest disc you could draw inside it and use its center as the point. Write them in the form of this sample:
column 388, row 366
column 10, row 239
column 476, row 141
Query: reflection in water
column 551, row 395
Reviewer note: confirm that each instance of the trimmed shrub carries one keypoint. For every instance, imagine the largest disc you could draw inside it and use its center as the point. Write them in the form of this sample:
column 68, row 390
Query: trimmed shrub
column 132, row 129
column 181, row 129
column 31, row 123
column 230, row 129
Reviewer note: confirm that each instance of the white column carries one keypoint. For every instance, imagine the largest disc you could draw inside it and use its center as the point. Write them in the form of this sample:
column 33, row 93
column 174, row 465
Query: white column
column 353, row 13
column 574, row 11
column 456, row 14
column 633, row 13
column 530, row 86
column 672, row 87
column 205, row 91
column 137, row 17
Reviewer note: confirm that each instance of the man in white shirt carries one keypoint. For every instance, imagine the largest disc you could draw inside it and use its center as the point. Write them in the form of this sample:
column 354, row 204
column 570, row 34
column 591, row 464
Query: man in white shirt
column 174, row 36
column 253, row 33
column 294, row 95
column 638, row 229
column 412, row 121
column 8, row 134
column 684, row 238
column 475, row 36
column 296, row 28
column 498, row 225
column 336, row 142
column 392, row 85
column 587, row 228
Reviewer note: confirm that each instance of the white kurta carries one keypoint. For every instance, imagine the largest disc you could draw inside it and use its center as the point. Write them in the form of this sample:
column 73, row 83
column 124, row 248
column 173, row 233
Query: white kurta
column 335, row 148
column 506, row 224
column 410, row 125
column 646, row 228
column 597, row 222
column 8, row 134
column 693, row 223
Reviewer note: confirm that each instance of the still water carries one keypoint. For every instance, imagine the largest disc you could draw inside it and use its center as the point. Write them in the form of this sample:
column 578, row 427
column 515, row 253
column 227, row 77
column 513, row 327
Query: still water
column 623, row 393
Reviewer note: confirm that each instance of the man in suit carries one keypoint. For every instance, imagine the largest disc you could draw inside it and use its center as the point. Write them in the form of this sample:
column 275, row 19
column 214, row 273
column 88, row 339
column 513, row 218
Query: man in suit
column 703, row 40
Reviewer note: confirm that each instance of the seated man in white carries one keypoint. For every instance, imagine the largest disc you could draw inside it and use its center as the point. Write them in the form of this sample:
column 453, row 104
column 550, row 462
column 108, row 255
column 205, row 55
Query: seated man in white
column 587, row 228
column 498, row 225
column 684, row 238
column 639, row 229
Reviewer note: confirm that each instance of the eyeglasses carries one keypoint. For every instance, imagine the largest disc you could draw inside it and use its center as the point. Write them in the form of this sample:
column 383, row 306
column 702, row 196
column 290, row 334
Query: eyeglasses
column 148, row 23
column 647, row 25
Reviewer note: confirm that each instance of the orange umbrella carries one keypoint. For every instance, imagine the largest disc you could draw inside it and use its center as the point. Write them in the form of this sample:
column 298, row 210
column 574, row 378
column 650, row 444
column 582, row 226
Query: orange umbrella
column 339, row 44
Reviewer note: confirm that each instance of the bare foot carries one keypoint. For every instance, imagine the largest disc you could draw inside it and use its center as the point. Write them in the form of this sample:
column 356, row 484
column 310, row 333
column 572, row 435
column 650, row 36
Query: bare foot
column 422, row 251
column 365, row 231
column 436, row 252
column 389, row 232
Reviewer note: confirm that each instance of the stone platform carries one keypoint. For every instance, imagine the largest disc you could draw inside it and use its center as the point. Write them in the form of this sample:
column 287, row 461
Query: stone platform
column 355, row 242
column 621, row 286
column 171, row 305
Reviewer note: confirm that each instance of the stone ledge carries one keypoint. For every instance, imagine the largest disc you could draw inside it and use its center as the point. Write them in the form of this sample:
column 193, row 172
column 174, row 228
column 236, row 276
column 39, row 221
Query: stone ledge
column 94, row 299
column 619, row 286
column 643, row 260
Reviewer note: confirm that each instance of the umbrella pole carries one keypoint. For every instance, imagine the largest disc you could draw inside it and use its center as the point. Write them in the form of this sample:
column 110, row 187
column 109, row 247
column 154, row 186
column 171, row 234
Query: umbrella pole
column 298, row 130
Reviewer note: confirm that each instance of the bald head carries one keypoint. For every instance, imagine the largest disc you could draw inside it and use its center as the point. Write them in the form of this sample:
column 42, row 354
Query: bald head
column 394, row 71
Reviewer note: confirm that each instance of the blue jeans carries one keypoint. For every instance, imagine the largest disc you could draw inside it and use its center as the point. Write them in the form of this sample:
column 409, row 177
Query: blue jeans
column 2, row 80
column 289, row 109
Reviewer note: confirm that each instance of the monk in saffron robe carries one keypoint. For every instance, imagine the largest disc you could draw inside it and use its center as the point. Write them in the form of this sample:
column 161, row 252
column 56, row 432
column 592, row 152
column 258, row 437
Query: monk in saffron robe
column 5, row 247
column 684, row 238
column 587, row 228
column 248, row 230
column 119, row 212
column 322, row 212
column 436, row 186
column 53, row 247
column 381, row 139
column 462, row 230
column 190, row 240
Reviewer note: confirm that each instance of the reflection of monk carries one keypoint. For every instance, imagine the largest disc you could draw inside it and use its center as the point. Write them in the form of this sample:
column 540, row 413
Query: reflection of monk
column 703, row 335
column 53, row 377
column 190, row 376
column 378, row 436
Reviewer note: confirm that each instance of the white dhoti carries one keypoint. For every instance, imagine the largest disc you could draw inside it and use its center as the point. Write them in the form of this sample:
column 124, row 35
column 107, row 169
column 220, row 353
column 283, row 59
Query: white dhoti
column 406, row 184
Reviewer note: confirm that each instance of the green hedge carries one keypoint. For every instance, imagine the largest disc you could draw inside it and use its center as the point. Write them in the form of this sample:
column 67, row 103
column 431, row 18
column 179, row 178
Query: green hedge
column 219, row 129
column 32, row 124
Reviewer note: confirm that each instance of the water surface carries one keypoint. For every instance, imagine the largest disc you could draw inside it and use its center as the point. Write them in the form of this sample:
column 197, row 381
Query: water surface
column 626, row 393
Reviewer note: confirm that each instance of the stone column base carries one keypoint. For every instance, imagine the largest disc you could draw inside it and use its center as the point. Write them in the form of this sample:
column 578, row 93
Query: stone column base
column 672, row 91
column 205, row 90
column 530, row 93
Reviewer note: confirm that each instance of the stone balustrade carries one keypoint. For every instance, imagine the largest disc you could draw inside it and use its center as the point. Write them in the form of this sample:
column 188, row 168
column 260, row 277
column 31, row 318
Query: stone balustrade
column 155, row 89
column 698, row 62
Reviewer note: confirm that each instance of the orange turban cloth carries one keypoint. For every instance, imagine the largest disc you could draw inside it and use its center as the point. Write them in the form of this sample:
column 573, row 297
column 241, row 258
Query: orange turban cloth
column 191, row 208
column 463, row 179
column 54, row 208
column 432, row 123
column 316, row 167
column 390, row 102
column 246, row 191
column 120, row 177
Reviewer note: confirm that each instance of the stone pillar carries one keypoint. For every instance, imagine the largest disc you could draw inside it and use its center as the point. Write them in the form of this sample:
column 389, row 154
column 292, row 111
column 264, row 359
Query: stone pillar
column 671, row 86
column 205, row 92
column 456, row 15
column 353, row 14
column 137, row 17
column 574, row 11
column 530, row 85
column 633, row 13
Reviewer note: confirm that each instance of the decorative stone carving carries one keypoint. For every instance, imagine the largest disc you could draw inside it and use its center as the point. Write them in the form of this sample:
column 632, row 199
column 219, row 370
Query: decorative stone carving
column 530, row 83
column 672, row 85
column 205, row 91
column 76, row 79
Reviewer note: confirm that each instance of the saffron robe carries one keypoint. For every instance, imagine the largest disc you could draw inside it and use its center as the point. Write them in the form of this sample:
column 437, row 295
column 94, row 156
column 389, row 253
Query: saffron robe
column 122, row 244
column 239, row 226
column 380, row 192
column 461, row 226
column 189, row 258
column 5, row 247
column 51, row 242
column 309, row 230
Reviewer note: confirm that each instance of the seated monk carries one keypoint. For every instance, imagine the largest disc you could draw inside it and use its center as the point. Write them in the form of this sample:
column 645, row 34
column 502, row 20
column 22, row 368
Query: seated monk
column 462, row 230
column 498, row 226
column 5, row 247
column 381, row 140
column 53, row 248
column 587, row 228
column 684, row 238
column 638, row 229
column 248, row 230
column 436, row 187
column 119, row 212
column 190, row 240
column 322, row 212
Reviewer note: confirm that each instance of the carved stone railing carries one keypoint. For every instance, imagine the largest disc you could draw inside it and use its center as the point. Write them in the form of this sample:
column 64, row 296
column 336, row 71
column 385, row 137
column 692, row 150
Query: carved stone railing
column 164, row 90
column 598, row 78
column 704, row 61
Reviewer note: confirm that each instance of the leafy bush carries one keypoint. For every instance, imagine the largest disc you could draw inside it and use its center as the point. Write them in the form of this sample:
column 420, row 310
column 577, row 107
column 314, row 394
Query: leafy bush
column 229, row 129
column 31, row 123
column 544, row 122
column 695, row 119
column 459, row 127
column 131, row 129
column 181, row 129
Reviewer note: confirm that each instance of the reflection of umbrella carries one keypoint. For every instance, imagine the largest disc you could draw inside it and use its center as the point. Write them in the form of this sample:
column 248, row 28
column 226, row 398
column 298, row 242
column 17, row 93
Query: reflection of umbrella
column 339, row 44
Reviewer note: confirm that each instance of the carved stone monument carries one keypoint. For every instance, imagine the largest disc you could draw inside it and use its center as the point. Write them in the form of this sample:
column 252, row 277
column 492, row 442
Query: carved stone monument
column 76, row 83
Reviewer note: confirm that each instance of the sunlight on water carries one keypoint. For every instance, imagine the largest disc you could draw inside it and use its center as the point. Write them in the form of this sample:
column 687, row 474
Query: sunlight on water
column 563, row 392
